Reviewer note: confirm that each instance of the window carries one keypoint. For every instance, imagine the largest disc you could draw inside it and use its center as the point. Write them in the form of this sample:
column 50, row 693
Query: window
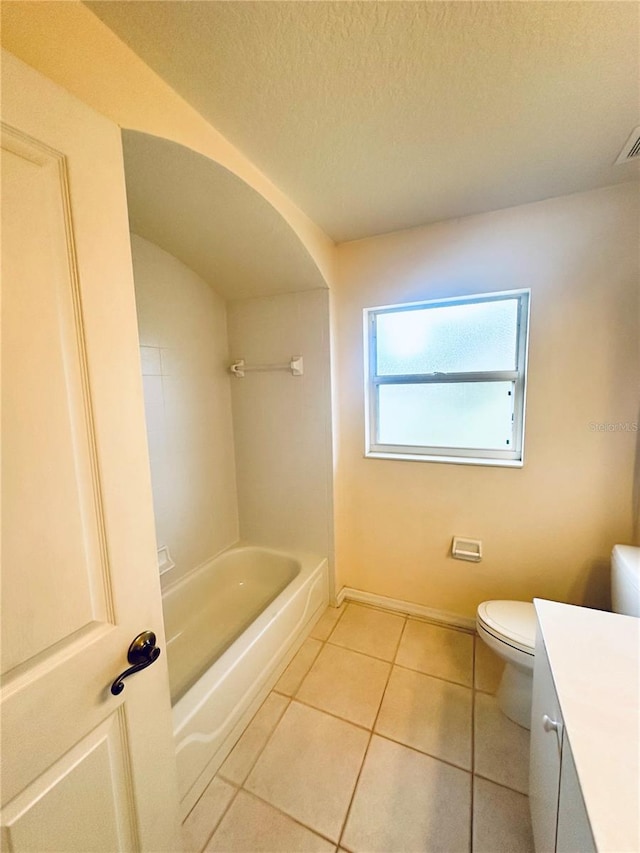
column 446, row 379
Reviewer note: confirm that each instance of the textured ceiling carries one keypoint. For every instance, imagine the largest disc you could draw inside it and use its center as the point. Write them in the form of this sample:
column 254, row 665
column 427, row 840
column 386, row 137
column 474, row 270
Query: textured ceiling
column 376, row 116
column 212, row 221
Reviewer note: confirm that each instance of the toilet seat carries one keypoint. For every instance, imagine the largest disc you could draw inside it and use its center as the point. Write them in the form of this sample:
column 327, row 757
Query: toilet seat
column 510, row 622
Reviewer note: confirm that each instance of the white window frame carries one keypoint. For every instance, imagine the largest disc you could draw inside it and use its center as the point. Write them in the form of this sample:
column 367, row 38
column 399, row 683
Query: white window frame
column 514, row 457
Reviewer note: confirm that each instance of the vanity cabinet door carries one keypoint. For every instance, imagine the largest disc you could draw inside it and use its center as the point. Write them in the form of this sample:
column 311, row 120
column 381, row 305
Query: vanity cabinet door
column 546, row 752
column 574, row 832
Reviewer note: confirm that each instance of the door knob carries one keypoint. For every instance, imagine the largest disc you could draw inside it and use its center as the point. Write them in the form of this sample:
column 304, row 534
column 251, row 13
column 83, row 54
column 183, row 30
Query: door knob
column 142, row 653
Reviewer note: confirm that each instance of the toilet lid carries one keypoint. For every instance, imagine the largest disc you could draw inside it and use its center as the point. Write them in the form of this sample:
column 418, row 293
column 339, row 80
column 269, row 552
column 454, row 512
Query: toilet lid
column 513, row 622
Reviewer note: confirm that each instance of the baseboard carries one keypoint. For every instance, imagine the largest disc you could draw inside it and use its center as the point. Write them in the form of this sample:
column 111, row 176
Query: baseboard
column 406, row 607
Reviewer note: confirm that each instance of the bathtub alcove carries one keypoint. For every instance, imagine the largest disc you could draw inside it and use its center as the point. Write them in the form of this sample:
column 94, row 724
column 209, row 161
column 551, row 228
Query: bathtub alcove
column 240, row 467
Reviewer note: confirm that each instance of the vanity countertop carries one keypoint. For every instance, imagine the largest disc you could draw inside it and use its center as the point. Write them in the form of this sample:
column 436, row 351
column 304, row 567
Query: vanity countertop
column 595, row 663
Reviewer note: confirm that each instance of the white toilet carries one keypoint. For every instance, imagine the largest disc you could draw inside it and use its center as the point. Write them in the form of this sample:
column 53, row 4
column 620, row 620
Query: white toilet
column 509, row 628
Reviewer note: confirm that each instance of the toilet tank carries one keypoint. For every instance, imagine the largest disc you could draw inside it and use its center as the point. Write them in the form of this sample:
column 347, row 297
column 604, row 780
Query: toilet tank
column 625, row 580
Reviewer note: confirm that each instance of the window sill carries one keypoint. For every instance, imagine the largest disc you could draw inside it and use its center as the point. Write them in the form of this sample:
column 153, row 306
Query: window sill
column 455, row 460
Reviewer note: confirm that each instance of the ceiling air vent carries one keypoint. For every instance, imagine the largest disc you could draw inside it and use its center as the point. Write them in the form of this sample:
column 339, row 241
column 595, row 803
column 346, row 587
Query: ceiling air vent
column 631, row 148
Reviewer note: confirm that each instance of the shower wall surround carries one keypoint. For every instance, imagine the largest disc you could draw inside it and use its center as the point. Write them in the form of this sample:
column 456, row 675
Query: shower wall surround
column 282, row 423
column 184, row 354
column 233, row 458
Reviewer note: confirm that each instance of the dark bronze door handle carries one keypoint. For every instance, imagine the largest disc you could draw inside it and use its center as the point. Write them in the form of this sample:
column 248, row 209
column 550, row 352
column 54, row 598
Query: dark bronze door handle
column 142, row 653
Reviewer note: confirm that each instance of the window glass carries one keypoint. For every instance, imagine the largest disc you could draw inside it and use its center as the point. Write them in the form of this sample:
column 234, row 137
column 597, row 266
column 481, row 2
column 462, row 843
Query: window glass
column 461, row 414
column 446, row 379
column 480, row 336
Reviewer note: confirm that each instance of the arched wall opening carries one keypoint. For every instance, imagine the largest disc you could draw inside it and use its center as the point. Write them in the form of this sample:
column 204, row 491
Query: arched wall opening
column 221, row 276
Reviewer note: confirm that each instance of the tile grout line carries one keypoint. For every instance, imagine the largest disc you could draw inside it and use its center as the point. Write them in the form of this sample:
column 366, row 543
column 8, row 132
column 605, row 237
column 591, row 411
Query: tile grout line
column 405, row 667
column 350, row 649
column 235, row 784
column 389, row 738
column 353, row 792
column 393, row 660
column 500, row 784
column 493, row 696
column 263, row 747
column 332, row 714
column 288, row 697
column 392, row 663
column 438, row 677
column 291, row 698
column 223, row 814
column 337, row 622
column 226, row 779
column 373, row 725
column 309, row 636
column 296, row 820
column 421, row 752
column 241, row 786
column 486, row 692
column 315, row 658
column 350, row 722
column 191, row 810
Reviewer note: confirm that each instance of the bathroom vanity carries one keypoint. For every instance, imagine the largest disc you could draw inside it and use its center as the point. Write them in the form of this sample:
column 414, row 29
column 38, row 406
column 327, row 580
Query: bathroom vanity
column 584, row 786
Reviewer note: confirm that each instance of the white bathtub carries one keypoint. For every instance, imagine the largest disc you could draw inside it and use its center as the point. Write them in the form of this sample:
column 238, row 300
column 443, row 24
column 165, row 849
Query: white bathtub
column 231, row 627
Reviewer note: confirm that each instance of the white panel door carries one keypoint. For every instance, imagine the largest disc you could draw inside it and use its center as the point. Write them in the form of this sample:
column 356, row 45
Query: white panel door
column 82, row 769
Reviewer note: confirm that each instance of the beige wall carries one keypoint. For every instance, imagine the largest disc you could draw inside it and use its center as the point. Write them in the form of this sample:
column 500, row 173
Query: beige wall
column 282, row 423
column 184, row 356
column 547, row 528
column 65, row 41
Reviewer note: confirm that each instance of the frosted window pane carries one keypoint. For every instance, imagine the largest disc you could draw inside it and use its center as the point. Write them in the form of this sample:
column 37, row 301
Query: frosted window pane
column 477, row 415
column 449, row 339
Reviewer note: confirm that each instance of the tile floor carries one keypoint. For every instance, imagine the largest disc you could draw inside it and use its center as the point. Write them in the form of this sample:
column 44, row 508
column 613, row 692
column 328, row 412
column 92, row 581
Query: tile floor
column 383, row 734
